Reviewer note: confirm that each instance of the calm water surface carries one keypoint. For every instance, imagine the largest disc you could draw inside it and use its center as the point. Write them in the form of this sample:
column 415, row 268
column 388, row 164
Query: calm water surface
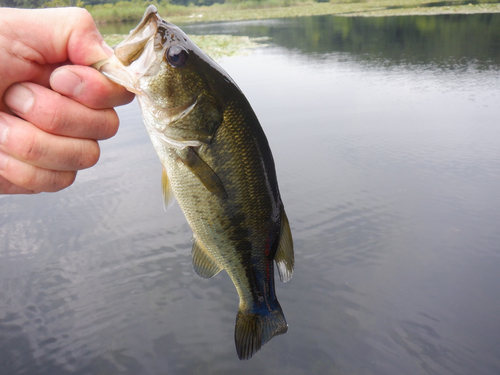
column 386, row 138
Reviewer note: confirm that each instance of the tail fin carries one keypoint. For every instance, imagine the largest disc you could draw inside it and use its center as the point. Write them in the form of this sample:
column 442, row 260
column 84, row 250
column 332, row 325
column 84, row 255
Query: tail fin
column 254, row 329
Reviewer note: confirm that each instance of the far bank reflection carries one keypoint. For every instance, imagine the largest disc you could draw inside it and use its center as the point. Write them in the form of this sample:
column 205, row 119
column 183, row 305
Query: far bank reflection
column 453, row 40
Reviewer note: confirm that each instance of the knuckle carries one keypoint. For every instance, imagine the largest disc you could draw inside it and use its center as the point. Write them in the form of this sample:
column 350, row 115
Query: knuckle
column 8, row 187
column 30, row 179
column 80, row 15
column 54, row 120
column 28, row 148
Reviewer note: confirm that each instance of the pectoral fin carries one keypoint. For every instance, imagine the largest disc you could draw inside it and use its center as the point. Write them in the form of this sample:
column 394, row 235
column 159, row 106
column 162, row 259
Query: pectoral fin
column 204, row 264
column 203, row 171
column 284, row 256
column 168, row 194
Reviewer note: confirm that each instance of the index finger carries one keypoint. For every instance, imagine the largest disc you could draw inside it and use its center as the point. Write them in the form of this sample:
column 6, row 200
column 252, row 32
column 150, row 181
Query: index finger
column 57, row 114
column 89, row 87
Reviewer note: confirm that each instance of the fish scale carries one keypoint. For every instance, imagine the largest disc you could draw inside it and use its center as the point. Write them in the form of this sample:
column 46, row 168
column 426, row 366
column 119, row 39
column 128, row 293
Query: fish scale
column 218, row 165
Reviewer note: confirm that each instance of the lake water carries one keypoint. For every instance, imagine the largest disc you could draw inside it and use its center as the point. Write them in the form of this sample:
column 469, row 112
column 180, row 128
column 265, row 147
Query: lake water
column 386, row 138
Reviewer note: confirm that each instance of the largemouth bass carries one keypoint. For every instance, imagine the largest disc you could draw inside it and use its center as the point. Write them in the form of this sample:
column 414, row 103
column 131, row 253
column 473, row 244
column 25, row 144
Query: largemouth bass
column 218, row 165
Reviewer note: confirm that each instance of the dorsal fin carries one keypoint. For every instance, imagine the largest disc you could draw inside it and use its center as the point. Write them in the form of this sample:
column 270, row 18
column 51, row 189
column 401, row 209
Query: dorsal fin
column 284, row 258
column 204, row 264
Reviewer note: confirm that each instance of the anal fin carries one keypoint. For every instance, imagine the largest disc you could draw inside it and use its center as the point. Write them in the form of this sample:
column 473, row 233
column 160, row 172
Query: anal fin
column 204, row 264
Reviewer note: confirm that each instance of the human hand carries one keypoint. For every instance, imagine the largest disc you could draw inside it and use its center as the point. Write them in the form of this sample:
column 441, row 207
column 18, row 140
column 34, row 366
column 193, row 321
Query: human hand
column 54, row 107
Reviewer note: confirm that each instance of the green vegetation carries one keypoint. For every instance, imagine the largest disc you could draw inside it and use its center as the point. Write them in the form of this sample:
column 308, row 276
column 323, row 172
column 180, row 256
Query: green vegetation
column 402, row 40
column 261, row 9
column 411, row 40
column 215, row 10
column 182, row 11
column 132, row 11
column 216, row 46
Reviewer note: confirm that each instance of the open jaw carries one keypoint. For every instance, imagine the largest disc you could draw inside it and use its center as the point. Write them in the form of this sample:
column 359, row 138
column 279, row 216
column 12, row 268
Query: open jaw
column 134, row 56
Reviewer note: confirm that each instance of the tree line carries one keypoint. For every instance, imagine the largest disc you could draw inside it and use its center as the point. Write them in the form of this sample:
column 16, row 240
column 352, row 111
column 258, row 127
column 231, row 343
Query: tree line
column 59, row 3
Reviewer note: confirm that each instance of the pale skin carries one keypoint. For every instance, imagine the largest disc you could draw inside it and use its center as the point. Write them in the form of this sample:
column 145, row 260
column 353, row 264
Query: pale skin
column 54, row 106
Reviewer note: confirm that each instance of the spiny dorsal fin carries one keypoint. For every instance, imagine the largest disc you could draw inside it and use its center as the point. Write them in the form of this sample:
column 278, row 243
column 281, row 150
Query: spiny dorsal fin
column 284, row 258
column 203, row 171
column 204, row 264
column 168, row 194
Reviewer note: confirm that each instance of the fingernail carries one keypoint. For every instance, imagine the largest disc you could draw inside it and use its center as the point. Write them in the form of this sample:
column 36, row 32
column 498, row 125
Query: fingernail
column 3, row 160
column 19, row 98
column 66, row 82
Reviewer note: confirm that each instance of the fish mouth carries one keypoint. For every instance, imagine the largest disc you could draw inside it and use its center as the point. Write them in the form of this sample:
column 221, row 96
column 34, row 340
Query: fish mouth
column 134, row 55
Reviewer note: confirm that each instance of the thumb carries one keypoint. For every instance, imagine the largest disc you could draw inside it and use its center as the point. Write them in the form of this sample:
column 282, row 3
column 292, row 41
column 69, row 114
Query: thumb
column 56, row 35
column 85, row 45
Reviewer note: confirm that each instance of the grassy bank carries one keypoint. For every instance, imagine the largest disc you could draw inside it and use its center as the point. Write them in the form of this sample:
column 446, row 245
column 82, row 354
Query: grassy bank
column 133, row 11
column 219, row 46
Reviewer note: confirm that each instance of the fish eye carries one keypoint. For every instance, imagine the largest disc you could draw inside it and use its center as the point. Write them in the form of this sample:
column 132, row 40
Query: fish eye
column 177, row 56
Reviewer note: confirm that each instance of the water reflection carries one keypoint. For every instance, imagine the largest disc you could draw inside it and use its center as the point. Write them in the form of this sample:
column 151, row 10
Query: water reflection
column 458, row 2
column 449, row 40
column 389, row 167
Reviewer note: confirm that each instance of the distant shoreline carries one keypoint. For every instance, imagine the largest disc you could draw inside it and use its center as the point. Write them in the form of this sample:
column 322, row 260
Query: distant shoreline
column 252, row 11
column 219, row 46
